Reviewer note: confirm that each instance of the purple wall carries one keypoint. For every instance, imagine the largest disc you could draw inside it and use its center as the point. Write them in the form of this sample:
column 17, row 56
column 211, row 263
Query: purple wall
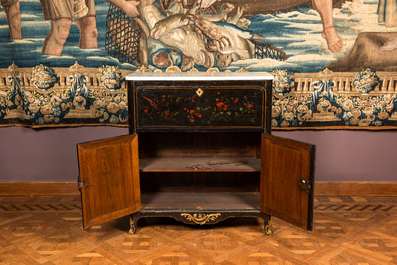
column 50, row 154
column 343, row 155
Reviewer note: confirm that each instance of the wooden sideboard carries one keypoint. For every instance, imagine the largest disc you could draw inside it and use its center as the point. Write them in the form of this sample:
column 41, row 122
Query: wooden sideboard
column 200, row 150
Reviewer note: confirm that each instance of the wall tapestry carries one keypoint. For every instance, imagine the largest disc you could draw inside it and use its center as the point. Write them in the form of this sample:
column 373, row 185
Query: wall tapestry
column 64, row 62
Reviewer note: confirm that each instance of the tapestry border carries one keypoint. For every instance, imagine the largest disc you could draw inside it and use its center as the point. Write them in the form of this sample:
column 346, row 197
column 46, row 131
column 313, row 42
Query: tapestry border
column 78, row 96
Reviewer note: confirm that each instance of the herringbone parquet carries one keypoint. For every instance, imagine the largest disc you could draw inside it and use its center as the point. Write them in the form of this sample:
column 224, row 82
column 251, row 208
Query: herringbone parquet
column 347, row 230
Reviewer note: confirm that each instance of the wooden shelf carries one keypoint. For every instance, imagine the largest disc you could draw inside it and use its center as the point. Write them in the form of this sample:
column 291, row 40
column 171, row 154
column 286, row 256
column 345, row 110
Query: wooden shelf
column 200, row 164
column 200, row 201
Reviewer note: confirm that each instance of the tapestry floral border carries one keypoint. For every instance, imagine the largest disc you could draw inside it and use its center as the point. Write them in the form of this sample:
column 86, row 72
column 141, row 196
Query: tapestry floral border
column 77, row 96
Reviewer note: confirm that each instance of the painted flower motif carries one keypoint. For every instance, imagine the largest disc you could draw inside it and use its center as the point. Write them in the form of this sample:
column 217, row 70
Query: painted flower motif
column 221, row 106
column 43, row 77
column 365, row 81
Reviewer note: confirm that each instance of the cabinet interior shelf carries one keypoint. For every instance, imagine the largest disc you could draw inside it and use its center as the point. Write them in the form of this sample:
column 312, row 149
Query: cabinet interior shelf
column 200, row 164
column 200, row 200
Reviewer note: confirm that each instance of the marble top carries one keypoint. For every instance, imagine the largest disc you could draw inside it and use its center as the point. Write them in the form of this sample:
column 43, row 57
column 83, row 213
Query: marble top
column 200, row 76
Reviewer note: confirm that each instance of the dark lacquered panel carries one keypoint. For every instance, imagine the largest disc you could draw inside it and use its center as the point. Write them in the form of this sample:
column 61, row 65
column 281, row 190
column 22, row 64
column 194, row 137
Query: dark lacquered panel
column 200, row 107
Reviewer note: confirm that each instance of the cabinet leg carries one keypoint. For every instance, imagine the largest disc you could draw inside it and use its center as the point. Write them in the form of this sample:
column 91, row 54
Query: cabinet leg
column 132, row 226
column 268, row 226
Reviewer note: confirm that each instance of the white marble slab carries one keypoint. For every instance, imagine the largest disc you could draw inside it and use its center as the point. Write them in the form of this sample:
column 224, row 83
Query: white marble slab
column 200, row 76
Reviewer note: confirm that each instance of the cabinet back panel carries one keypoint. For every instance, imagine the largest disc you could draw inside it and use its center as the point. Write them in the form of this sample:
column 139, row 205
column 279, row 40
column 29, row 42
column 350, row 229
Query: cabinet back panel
column 199, row 144
column 200, row 182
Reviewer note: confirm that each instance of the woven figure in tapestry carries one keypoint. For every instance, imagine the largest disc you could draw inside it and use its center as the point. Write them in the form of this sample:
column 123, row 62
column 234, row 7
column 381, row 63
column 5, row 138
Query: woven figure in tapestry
column 188, row 33
column 387, row 14
column 173, row 36
column 324, row 8
column 12, row 9
column 61, row 14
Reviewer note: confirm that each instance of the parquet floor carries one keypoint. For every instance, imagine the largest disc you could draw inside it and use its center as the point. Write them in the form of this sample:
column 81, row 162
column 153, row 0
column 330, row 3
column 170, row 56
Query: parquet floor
column 347, row 230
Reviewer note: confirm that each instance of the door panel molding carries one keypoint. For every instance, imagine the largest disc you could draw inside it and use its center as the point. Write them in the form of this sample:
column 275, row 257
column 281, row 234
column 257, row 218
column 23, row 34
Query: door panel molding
column 109, row 179
column 285, row 163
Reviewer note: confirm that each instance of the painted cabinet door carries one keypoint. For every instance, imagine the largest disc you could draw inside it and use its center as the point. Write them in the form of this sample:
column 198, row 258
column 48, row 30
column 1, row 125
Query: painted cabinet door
column 287, row 180
column 109, row 179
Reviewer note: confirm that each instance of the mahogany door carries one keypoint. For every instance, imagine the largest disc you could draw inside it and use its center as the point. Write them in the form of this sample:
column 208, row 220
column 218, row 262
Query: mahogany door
column 109, row 179
column 287, row 180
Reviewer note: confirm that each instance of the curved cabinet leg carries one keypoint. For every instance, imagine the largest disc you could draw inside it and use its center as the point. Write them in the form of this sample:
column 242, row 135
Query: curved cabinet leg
column 268, row 226
column 132, row 225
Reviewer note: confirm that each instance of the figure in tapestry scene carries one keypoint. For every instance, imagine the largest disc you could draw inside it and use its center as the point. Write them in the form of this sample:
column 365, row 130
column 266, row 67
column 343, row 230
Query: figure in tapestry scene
column 187, row 33
column 324, row 8
column 12, row 9
column 62, row 14
column 375, row 50
column 387, row 14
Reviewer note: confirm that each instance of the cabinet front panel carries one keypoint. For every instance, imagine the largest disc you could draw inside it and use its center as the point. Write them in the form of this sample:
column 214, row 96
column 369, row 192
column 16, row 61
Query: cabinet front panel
column 195, row 107
column 109, row 179
column 286, row 166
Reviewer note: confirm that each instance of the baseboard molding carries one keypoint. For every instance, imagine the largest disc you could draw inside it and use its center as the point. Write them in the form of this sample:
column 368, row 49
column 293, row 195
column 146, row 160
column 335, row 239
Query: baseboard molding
column 355, row 189
column 27, row 188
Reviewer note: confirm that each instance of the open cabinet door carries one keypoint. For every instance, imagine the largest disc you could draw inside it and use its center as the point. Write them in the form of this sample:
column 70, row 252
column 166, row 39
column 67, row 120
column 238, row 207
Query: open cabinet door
column 287, row 180
column 109, row 179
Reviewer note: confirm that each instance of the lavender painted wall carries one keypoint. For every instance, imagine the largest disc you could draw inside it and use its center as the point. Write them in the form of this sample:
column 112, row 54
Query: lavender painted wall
column 351, row 155
column 50, row 154
column 45, row 154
